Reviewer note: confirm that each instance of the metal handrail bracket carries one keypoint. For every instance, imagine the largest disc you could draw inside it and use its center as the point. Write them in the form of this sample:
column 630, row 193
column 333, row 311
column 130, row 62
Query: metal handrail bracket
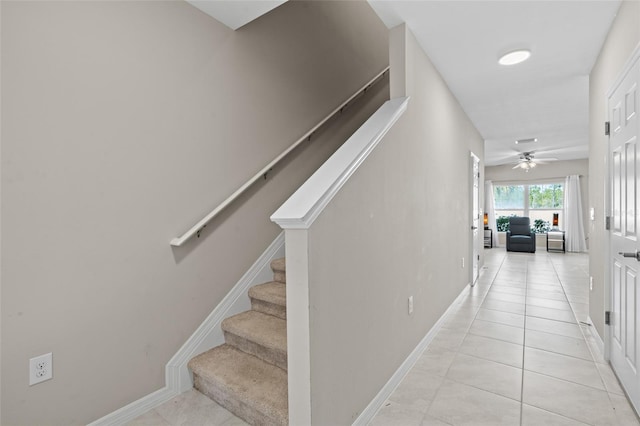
column 198, row 227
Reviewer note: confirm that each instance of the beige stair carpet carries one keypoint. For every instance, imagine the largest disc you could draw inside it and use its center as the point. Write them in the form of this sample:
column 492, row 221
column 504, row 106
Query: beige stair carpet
column 270, row 298
column 250, row 388
column 247, row 375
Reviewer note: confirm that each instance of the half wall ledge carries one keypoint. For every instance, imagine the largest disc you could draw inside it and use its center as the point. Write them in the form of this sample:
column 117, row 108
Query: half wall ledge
column 306, row 204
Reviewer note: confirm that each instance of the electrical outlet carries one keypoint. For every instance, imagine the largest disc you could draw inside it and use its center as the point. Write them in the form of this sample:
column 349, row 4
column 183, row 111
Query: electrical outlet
column 410, row 305
column 40, row 368
column 590, row 283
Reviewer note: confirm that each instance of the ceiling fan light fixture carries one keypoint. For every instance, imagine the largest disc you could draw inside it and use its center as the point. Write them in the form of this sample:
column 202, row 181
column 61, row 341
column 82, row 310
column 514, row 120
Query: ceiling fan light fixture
column 514, row 57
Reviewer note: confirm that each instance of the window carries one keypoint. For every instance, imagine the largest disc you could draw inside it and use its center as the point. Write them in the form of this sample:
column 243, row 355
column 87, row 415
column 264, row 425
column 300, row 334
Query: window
column 537, row 201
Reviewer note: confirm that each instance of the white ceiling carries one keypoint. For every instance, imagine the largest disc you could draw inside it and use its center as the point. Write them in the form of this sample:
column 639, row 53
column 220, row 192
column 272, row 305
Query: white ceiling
column 235, row 13
column 545, row 97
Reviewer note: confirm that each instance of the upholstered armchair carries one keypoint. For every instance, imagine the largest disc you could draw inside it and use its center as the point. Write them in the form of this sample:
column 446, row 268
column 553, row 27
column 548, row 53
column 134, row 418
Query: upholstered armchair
column 519, row 236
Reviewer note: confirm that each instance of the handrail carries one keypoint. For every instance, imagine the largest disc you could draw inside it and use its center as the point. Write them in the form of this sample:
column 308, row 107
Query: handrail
column 198, row 227
column 308, row 202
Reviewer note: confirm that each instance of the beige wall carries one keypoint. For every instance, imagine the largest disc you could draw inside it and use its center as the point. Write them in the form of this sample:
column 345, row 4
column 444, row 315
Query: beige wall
column 555, row 170
column 623, row 37
column 124, row 123
column 398, row 228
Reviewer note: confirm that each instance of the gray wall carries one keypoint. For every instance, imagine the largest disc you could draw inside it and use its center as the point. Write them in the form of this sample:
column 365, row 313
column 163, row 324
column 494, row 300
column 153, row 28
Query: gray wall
column 398, row 228
column 123, row 124
column 554, row 170
column 623, row 37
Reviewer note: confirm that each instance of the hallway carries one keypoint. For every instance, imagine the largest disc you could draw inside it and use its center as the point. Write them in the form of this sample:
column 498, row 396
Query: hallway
column 512, row 353
column 520, row 313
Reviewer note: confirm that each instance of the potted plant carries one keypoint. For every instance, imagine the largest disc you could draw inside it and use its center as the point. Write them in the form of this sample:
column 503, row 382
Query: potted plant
column 502, row 223
column 540, row 226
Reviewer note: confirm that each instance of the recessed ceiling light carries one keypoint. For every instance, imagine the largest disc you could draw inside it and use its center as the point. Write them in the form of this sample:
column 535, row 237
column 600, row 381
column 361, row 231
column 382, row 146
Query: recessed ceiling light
column 514, row 57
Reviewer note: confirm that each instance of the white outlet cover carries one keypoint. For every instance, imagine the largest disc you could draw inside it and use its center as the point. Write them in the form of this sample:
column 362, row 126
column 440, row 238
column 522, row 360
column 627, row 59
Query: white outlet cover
column 40, row 368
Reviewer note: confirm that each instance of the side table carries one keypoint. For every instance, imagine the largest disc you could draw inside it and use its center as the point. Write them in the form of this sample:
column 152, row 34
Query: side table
column 488, row 238
column 556, row 238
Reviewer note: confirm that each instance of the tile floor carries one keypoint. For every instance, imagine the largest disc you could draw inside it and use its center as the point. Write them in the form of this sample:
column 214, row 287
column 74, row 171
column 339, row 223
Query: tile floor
column 188, row 409
column 510, row 353
column 513, row 353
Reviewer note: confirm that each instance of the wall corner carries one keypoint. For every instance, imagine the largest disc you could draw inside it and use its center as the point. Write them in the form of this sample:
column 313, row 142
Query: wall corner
column 398, row 61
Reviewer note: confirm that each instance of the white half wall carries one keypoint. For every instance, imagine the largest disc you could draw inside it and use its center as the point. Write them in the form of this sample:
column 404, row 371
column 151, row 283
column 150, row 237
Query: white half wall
column 398, row 227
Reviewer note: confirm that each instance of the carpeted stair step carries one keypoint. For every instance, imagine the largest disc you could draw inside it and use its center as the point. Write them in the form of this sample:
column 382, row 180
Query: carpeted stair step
column 279, row 270
column 250, row 388
column 270, row 298
column 258, row 334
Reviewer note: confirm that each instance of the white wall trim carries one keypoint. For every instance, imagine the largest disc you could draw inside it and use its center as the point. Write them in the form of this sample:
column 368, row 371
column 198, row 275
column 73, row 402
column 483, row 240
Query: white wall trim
column 626, row 68
column 298, row 327
column 208, row 335
column 374, row 406
column 624, row 71
column 306, row 204
column 136, row 408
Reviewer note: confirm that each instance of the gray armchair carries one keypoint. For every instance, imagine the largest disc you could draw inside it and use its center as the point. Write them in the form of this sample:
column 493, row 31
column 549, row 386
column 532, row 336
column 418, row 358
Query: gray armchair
column 519, row 236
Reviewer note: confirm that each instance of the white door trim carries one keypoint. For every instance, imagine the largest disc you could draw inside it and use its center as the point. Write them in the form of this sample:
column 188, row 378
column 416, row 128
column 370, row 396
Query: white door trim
column 474, row 243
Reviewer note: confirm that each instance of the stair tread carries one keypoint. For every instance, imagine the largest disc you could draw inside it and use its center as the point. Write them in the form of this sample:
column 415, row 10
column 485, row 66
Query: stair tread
column 248, row 379
column 263, row 329
column 279, row 264
column 273, row 292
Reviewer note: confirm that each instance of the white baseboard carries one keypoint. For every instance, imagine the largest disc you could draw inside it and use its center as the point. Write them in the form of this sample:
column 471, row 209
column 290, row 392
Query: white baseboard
column 208, row 335
column 374, row 406
column 136, row 408
column 596, row 336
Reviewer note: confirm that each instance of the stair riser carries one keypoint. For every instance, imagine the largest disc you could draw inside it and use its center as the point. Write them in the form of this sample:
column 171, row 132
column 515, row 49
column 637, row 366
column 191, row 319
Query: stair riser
column 280, row 276
column 269, row 308
column 240, row 409
column 277, row 358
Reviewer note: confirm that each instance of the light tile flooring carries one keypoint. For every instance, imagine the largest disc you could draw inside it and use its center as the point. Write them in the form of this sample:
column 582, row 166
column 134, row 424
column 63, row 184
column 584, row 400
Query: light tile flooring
column 510, row 353
column 188, row 409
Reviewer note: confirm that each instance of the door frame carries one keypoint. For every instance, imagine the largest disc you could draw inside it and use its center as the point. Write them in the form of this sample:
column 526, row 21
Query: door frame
column 608, row 200
column 474, row 242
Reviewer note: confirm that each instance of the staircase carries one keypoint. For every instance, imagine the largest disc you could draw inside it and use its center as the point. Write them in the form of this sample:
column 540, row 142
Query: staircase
column 247, row 375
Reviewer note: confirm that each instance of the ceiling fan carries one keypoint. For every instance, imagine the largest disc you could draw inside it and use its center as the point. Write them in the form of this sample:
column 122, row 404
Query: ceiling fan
column 528, row 162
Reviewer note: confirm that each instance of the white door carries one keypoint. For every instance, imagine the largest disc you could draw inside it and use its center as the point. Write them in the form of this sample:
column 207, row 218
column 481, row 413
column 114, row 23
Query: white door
column 475, row 216
column 624, row 171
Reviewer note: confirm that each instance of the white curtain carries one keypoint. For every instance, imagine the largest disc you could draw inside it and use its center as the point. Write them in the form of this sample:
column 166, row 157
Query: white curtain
column 489, row 208
column 573, row 225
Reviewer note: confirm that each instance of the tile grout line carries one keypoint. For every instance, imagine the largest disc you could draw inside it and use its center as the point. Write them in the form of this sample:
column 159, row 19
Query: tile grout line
column 524, row 337
column 590, row 349
column 457, row 350
column 593, row 358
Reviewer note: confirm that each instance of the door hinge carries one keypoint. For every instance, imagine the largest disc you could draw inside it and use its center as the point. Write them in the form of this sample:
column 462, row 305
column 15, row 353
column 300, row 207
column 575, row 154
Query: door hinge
column 607, row 223
column 607, row 318
column 607, row 128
